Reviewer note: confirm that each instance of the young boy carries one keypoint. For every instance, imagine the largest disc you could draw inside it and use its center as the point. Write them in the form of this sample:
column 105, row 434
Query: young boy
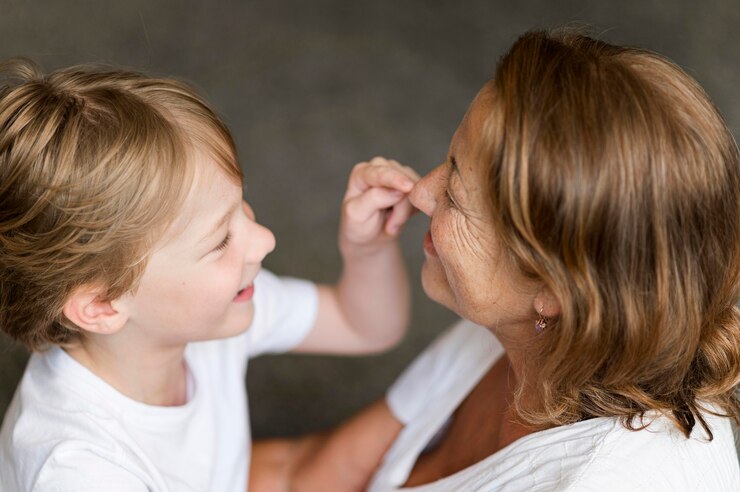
column 130, row 265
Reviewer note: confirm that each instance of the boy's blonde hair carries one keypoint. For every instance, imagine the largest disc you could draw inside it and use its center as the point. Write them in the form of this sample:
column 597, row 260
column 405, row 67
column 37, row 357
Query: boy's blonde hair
column 94, row 164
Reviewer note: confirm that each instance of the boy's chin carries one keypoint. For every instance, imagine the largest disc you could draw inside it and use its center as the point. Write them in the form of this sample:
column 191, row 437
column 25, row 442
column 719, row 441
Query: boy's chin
column 239, row 322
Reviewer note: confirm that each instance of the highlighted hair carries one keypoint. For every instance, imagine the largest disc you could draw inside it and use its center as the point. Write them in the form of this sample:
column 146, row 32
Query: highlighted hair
column 615, row 180
column 94, row 164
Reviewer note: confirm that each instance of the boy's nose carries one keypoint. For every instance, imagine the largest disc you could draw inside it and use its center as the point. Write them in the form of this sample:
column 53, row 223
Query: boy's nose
column 265, row 240
column 261, row 239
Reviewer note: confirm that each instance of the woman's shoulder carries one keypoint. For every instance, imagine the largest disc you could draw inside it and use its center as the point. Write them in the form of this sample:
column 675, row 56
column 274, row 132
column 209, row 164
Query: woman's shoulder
column 603, row 454
column 663, row 458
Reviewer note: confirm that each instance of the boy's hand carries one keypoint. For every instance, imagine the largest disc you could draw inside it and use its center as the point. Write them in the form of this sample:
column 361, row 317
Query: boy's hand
column 376, row 205
column 368, row 309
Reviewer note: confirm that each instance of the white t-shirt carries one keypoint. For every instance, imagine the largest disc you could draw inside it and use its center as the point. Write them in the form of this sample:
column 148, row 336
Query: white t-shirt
column 594, row 455
column 68, row 430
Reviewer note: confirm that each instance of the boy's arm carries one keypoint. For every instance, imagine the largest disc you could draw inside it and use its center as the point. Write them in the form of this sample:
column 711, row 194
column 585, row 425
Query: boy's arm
column 368, row 309
column 343, row 459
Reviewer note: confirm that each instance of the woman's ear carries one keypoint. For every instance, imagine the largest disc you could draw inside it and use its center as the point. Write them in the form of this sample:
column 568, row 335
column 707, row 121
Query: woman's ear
column 546, row 304
column 86, row 308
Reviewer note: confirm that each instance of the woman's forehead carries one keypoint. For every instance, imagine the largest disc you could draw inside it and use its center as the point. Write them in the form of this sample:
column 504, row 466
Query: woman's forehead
column 470, row 132
column 479, row 111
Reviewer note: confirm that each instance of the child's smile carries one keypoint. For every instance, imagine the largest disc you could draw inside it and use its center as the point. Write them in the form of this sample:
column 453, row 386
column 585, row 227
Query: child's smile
column 245, row 294
column 198, row 284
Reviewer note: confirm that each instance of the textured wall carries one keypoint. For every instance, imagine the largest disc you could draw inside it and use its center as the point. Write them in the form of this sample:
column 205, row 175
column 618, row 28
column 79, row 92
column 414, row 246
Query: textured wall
column 311, row 87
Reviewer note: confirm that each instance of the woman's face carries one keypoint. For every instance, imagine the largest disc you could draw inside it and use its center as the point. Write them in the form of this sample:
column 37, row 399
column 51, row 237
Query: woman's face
column 466, row 268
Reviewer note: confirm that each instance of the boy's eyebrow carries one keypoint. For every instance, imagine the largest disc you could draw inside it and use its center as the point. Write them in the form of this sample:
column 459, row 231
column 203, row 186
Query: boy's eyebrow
column 218, row 225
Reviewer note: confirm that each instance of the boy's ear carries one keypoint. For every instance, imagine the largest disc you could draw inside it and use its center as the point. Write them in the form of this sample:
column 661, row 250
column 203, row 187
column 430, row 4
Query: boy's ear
column 86, row 309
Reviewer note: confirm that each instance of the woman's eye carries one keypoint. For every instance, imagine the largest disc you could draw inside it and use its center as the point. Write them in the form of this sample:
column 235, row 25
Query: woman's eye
column 450, row 200
column 224, row 244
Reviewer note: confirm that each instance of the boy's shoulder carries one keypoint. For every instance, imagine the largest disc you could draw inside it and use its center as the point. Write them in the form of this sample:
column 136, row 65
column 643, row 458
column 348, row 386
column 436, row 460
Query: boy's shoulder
column 66, row 424
column 285, row 312
column 54, row 391
column 54, row 382
column 51, row 422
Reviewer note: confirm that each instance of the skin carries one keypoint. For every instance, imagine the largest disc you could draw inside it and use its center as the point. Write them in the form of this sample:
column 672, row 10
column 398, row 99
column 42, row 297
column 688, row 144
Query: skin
column 466, row 270
column 190, row 287
column 187, row 293
column 343, row 459
column 368, row 309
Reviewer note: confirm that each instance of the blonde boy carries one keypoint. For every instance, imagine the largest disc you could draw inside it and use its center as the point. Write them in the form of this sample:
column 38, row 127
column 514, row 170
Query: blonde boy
column 130, row 265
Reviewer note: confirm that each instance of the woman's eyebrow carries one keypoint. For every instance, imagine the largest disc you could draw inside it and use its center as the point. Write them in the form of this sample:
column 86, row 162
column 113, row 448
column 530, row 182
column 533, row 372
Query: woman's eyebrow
column 453, row 164
column 455, row 171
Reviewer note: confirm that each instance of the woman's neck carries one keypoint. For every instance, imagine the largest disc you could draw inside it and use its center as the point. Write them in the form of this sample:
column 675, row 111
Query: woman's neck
column 519, row 342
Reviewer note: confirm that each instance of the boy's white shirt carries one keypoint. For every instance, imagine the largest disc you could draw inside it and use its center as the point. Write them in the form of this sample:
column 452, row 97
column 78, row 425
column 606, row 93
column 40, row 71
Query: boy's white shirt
column 599, row 454
column 68, row 430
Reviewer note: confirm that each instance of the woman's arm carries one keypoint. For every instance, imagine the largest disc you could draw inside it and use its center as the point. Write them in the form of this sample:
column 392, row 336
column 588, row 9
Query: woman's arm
column 341, row 460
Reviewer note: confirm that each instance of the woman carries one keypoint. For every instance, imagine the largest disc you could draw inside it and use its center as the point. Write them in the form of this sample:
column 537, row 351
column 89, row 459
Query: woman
column 587, row 216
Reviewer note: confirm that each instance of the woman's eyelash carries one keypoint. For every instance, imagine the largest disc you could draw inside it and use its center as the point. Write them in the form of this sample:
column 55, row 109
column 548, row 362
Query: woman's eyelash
column 224, row 243
column 450, row 201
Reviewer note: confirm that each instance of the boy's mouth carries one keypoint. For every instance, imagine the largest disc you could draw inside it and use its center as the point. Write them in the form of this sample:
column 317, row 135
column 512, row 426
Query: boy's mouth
column 245, row 294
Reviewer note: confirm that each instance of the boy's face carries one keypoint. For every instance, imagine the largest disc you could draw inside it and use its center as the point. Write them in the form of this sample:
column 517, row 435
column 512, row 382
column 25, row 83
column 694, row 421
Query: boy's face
column 198, row 283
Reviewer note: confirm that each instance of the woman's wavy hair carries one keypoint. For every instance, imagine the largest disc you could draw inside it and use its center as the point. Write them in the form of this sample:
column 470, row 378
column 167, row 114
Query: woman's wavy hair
column 614, row 180
column 94, row 164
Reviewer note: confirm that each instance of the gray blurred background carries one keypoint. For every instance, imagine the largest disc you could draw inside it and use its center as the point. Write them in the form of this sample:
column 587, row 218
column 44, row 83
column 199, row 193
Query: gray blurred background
column 310, row 87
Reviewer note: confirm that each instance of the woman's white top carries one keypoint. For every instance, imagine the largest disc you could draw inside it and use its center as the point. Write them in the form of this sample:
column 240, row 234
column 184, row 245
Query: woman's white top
column 593, row 455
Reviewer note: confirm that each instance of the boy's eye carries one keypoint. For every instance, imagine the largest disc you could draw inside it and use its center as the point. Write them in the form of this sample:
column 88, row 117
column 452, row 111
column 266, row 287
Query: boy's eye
column 224, row 244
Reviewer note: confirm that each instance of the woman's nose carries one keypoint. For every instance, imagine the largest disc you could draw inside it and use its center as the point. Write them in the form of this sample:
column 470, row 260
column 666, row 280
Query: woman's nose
column 423, row 194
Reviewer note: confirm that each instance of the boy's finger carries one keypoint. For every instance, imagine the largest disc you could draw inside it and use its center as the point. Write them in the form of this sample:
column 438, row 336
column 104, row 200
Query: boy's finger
column 399, row 216
column 363, row 207
column 407, row 170
column 385, row 175
column 413, row 175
